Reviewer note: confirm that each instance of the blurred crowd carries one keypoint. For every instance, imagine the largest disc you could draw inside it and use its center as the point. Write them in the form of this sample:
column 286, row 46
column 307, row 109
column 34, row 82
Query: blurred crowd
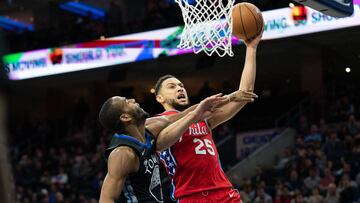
column 323, row 167
column 62, row 163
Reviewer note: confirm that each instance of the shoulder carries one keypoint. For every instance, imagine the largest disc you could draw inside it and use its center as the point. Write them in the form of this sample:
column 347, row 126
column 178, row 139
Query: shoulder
column 156, row 119
column 124, row 157
column 122, row 152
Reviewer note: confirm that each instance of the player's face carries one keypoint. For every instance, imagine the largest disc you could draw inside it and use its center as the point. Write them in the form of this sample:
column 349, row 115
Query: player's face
column 131, row 107
column 174, row 93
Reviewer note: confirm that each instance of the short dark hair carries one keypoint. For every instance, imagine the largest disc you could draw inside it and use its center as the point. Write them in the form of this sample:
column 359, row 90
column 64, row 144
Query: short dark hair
column 160, row 81
column 109, row 115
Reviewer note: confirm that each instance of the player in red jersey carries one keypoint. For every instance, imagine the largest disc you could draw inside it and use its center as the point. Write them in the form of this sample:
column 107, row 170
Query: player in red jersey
column 193, row 161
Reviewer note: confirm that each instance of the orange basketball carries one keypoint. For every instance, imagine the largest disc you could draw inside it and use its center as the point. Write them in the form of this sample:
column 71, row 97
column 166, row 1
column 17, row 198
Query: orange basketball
column 247, row 21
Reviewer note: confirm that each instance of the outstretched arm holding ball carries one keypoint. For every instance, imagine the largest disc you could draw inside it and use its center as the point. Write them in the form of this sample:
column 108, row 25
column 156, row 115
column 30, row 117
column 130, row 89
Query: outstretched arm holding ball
column 247, row 82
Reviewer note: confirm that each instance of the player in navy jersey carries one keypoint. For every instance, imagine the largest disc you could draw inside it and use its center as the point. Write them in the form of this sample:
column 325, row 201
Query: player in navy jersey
column 133, row 167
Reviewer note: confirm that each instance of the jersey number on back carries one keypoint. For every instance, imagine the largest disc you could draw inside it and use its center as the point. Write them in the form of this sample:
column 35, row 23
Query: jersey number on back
column 199, row 149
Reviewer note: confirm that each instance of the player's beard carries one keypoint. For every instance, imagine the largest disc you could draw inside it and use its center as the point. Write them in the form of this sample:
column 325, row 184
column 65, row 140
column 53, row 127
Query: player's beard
column 178, row 106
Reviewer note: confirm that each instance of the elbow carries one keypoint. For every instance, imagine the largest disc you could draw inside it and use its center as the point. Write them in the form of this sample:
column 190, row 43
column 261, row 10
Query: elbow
column 163, row 145
column 159, row 145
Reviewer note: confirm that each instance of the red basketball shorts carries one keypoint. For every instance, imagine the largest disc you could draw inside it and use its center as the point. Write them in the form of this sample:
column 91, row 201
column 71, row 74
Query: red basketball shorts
column 227, row 195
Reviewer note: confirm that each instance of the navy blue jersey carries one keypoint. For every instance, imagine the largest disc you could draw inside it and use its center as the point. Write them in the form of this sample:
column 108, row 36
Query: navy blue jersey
column 145, row 184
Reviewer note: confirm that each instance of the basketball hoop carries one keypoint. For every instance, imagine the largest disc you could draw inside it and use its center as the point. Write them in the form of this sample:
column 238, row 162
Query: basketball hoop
column 208, row 26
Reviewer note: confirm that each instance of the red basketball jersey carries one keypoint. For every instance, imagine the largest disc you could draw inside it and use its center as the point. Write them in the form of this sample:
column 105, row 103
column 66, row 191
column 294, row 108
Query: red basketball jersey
column 193, row 162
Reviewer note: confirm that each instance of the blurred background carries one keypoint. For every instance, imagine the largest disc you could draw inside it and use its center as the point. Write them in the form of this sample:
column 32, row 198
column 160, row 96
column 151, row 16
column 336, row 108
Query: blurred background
column 299, row 142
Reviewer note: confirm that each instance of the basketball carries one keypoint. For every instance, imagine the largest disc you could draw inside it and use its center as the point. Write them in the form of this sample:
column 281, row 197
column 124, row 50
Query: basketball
column 247, row 21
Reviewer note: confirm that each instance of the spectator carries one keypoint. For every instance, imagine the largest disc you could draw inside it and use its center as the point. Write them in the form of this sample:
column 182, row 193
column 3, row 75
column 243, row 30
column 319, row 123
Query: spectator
column 52, row 194
column 314, row 138
column 327, row 179
column 347, row 108
column 348, row 193
column 355, row 153
column 316, row 197
column 61, row 177
column 332, row 195
column 345, row 170
column 45, row 179
column 320, row 159
column 262, row 197
column 348, row 144
column 353, row 125
column 59, row 197
column 298, row 198
column 247, row 194
column 79, row 167
column 299, row 142
column 295, row 183
column 344, row 132
column 312, row 180
column 333, row 148
column 283, row 195
column 285, row 160
column 335, row 110
column 305, row 167
column 258, row 177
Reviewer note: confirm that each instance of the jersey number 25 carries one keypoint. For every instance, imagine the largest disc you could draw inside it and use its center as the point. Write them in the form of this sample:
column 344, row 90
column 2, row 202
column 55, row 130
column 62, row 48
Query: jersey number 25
column 199, row 149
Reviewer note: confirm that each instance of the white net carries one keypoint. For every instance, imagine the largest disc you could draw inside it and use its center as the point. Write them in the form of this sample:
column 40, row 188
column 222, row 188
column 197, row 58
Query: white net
column 208, row 26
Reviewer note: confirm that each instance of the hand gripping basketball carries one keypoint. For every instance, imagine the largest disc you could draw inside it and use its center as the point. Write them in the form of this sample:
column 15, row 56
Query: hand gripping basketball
column 248, row 22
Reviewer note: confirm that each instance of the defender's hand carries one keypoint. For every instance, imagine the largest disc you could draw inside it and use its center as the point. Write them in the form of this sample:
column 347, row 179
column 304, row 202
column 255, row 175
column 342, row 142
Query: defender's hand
column 208, row 106
column 242, row 96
